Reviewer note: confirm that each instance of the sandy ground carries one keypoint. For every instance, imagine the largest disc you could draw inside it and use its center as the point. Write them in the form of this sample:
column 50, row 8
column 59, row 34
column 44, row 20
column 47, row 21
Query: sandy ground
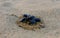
column 49, row 10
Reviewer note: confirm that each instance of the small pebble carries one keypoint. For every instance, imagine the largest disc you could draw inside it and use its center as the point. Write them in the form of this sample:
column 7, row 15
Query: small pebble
column 42, row 26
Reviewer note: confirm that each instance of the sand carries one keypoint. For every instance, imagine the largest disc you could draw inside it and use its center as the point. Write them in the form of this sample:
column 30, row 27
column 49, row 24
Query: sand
column 49, row 10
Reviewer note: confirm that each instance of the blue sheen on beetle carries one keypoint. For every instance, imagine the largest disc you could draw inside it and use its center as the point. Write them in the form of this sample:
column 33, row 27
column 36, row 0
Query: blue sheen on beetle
column 37, row 20
column 31, row 17
column 32, row 21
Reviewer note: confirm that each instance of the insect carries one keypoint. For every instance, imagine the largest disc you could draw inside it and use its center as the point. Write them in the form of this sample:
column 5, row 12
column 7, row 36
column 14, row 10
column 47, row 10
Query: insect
column 29, row 22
